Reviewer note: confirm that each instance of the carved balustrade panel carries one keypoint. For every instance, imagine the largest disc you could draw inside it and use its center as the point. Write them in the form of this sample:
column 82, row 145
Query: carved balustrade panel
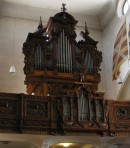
column 8, row 107
column 36, row 112
column 10, row 111
column 119, row 115
column 82, row 111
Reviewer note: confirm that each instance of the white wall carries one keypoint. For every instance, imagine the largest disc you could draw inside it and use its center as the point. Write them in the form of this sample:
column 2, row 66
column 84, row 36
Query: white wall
column 11, row 42
column 107, row 12
column 15, row 24
column 109, row 35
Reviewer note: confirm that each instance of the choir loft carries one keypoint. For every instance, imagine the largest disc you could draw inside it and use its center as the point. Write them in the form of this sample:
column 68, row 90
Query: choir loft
column 62, row 78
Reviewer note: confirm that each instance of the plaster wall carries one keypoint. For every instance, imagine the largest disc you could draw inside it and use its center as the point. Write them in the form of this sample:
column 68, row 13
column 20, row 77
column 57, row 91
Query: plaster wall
column 109, row 36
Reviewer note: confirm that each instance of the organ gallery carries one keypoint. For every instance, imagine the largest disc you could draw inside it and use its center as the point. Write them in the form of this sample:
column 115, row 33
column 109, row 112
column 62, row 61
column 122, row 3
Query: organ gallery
column 61, row 78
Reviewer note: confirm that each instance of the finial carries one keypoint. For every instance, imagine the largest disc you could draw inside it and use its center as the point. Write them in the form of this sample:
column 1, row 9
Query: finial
column 40, row 26
column 63, row 7
column 86, row 29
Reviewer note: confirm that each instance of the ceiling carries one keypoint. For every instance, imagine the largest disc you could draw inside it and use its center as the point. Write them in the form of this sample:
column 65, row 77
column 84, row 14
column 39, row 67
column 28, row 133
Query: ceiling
column 36, row 141
column 90, row 7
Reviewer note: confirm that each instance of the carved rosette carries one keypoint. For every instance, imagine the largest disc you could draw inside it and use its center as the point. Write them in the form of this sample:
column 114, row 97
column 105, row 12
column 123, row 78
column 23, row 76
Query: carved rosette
column 122, row 113
column 119, row 116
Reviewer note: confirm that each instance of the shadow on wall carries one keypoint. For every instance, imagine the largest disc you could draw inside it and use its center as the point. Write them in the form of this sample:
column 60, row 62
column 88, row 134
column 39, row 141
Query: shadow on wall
column 124, row 93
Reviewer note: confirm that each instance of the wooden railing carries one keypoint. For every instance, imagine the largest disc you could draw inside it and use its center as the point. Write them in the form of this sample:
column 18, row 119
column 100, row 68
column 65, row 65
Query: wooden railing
column 20, row 113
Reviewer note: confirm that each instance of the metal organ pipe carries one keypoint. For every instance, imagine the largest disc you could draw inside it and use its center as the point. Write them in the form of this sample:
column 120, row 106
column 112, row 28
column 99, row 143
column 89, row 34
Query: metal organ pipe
column 60, row 45
column 35, row 60
column 66, row 48
column 38, row 58
column 60, row 64
column 89, row 62
column 70, row 59
column 87, row 59
column 68, row 55
column 64, row 55
column 58, row 55
column 63, row 45
column 91, row 66
column 65, row 64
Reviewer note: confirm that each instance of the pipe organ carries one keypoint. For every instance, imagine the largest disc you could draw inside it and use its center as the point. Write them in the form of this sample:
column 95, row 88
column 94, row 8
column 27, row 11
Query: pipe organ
column 67, row 71
column 62, row 77
column 54, row 60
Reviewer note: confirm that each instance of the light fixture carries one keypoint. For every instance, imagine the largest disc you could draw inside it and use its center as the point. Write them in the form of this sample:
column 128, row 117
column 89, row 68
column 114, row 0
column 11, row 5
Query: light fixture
column 12, row 69
column 65, row 144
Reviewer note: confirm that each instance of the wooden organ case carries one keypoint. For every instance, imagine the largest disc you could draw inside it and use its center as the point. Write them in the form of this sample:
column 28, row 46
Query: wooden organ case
column 67, row 72
column 62, row 77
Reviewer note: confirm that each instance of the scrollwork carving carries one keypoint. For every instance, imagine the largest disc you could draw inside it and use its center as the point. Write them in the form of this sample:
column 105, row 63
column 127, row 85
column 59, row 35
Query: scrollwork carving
column 37, row 109
column 28, row 58
column 8, row 107
column 55, row 89
column 98, row 61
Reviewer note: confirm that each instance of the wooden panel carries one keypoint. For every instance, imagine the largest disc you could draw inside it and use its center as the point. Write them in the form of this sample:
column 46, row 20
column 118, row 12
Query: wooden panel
column 119, row 115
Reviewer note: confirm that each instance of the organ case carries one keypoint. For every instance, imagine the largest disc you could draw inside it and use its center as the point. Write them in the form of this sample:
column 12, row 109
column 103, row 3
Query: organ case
column 55, row 63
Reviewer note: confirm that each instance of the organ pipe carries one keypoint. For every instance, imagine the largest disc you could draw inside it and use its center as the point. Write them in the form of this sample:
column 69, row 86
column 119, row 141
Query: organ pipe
column 88, row 62
column 91, row 66
column 67, row 60
column 58, row 55
column 70, row 59
column 64, row 55
column 63, row 51
column 60, row 64
column 38, row 58
column 35, row 60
